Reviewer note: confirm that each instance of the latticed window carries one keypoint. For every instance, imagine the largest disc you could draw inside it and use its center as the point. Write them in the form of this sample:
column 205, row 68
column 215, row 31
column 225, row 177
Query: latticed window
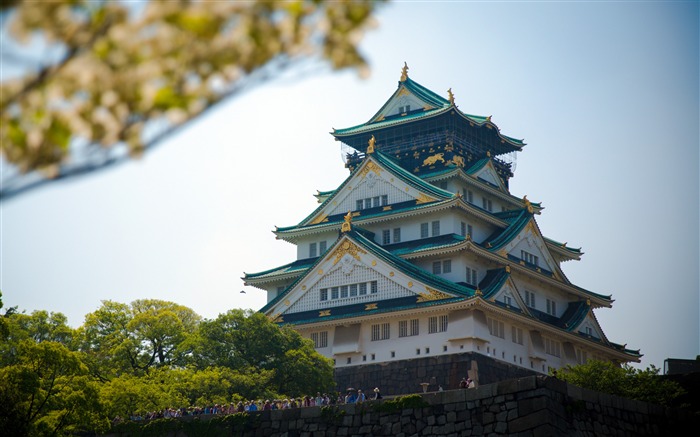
column 312, row 250
column 529, row 258
column 397, row 235
column 436, row 228
column 320, row 339
column 321, row 247
column 324, row 294
column 552, row 347
column 424, row 230
column 408, row 328
column 551, row 307
column 471, row 276
column 437, row 324
column 496, row 328
column 530, row 299
column 381, row 332
column 516, row 335
column 386, row 236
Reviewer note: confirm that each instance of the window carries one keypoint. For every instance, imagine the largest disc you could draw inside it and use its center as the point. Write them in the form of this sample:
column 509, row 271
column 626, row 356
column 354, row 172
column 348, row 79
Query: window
column 380, row 332
column 397, row 235
column 404, row 109
column 373, row 287
column 373, row 357
column 312, row 250
column 465, row 229
column 552, row 347
column 496, row 328
column 363, row 288
column 551, row 307
column 393, row 354
column 321, row 247
column 471, row 276
column 486, row 204
column 408, row 328
column 343, row 291
column 386, row 237
column 324, row 294
column 436, row 228
column 589, row 331
column 507, row 300
column 516, row 335
column 530, row 299
column 468, row 195
column 424, row 230
column 529, row 258
column 427, row 350
column 447, row 266
column 368, row 203
column 385, row 200
column 437, row 267
column 334, row 293
column 349, row 360
column 375, row 202
column 418, row 351
column 364, row 357
column 359, row 204
column 353, row 290
column 320, row 339
column 437, row 324
column 581, row 356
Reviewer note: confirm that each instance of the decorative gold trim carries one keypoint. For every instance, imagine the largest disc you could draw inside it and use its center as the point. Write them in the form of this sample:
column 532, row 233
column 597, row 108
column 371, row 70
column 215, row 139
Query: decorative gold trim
column 391, row 274
column 286, row 302
column 387, row 208
column 410, row 284
column 478, row 292
column 347, row 248
column 374, row 263
column 431, row 160
column 320, row 271
column 324, row 313
column 303, row 287
column 347, row 223
column 456, row 160
column 423, row 198
column 320, row 219
column 380, row 118
column 451, row 97
column 370, row 306
column 277, row 318
column 371, row 166
column 431, row 294
column 507, row 269
column 404, row 73
column 402, row 92
column 370, row 145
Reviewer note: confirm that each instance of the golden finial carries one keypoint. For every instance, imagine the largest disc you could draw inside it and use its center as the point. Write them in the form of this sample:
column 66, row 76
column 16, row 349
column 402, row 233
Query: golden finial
column 370, row 147
column 451, row 97
column 478, row 292
column 404, row 73
column 488, row 153
column 527, row 202
column 488, row 119
column 588, row 302
column 347, row 224
column 564, row 245
column 507, row 269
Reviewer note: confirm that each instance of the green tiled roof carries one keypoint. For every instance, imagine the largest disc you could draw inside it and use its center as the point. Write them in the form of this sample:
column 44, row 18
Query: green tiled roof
column 296, row 266
column 390, row 165
column 518, row 219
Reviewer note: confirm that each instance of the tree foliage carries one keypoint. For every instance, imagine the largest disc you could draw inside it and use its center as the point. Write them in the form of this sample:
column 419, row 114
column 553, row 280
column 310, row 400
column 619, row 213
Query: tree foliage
column 624, row 381
column 122, row 75
column 149, row 355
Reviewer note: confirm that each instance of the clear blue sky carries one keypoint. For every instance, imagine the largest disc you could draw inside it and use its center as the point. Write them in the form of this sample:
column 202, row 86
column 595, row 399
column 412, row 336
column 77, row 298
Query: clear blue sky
column 606, row 96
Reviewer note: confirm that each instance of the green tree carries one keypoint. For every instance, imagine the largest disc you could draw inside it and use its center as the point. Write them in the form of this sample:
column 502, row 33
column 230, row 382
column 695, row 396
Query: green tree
column 135, row 338
column 624, row 381
column 49, row 391
column 241, row 339
column 124, row 75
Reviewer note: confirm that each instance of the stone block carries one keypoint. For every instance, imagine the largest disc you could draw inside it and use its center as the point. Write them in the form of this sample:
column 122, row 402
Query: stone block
column 528, row 422
column 309, row 412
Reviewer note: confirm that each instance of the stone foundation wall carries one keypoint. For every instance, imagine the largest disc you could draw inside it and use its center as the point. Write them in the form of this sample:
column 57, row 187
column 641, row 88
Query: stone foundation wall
column 527, row 407
column 406, row 376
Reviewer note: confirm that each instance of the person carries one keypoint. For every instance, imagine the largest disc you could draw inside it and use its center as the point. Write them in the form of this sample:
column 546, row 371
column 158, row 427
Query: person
column 440, row 388
column 470, row 383
column 360, row 396
column 377, row 394
column 463, row 383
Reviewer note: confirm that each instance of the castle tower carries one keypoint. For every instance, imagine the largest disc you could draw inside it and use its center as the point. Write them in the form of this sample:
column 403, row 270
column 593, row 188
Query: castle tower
column 422, row 265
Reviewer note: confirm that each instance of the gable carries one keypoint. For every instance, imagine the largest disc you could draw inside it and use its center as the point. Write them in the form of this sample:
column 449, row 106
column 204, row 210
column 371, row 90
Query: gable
column 372, row 185
column 509, row 296
column 488, row 174
column 529, row 248
column 349, row 275
column 590, row 327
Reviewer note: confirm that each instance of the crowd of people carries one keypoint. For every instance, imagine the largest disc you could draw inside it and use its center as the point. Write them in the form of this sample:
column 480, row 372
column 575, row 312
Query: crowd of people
column 352, row 396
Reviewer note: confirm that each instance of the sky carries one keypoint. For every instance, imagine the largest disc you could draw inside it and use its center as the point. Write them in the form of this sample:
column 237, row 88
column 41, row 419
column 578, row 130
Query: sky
column 605, row 95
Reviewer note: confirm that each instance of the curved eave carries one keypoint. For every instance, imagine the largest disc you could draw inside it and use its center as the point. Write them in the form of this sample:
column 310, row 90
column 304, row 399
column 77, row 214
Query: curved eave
column 567, row 253
column 603, row 345
column 475, row 182
column 293, row 233
column 597, row 300
column 347, row 133
column 429, row 98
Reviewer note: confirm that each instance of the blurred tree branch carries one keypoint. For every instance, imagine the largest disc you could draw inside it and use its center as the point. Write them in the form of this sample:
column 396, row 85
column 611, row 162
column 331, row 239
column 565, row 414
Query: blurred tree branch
column 122, row 76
